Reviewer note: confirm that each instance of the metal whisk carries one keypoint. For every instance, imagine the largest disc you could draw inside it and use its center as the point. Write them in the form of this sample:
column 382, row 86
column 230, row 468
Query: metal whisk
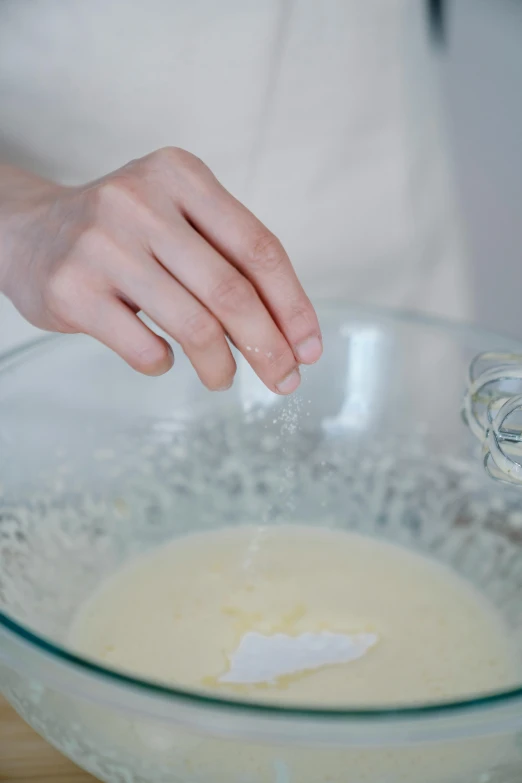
column 492, row 409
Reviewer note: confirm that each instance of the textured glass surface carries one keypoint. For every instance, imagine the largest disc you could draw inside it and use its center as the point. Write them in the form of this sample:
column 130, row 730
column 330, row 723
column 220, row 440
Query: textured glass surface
column 98, row 463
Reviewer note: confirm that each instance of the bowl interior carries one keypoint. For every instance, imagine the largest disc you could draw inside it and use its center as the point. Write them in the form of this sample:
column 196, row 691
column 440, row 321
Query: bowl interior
column 99, row 463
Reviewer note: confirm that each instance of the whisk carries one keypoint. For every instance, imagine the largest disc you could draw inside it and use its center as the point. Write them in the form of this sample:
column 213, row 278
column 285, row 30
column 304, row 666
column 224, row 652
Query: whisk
column 492, row 409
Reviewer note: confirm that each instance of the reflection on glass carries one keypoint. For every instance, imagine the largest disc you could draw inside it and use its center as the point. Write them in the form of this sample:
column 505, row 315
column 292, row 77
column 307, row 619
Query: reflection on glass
column 252, row 392
column 362, row 379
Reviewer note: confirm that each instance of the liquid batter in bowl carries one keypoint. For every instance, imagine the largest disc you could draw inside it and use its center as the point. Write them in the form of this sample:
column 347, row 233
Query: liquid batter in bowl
column 344, row 619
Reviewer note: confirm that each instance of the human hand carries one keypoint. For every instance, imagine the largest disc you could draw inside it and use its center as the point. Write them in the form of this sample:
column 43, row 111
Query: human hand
column 163, row 237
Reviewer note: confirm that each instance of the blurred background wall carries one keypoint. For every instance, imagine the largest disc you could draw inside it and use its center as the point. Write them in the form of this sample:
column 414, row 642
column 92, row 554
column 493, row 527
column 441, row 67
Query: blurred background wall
column 482, row 81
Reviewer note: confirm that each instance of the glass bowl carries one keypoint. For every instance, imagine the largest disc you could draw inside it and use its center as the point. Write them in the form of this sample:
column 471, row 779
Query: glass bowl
column 98, row 463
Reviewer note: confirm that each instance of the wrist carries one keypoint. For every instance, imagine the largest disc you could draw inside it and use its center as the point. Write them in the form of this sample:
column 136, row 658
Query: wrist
column 22, row 195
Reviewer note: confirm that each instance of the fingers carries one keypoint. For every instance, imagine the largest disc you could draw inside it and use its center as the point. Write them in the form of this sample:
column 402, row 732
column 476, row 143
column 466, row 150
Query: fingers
column 240, row 237
column 117, row 327
column 183, row 317
column 233, row 300
column 179, row 247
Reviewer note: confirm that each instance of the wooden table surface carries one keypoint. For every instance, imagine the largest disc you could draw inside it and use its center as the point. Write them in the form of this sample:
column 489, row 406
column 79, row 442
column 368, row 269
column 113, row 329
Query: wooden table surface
column 26, row 758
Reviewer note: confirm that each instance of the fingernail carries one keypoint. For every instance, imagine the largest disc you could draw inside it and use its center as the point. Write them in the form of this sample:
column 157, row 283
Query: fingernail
column 225, row 388
column 290, row 383
column 309, row 351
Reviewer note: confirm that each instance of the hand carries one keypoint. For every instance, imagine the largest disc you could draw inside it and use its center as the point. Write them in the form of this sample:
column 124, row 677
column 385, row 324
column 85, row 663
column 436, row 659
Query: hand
column 163, row 237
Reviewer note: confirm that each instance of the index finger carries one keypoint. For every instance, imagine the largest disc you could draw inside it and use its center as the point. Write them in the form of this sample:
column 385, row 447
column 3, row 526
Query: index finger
column 239, row 236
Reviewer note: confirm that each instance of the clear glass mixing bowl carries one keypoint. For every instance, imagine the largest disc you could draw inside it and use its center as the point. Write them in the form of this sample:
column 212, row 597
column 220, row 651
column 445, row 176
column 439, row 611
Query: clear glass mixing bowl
column 98, row 463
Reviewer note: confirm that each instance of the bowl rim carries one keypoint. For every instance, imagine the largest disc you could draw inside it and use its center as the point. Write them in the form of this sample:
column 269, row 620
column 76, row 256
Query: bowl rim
column 193, row 698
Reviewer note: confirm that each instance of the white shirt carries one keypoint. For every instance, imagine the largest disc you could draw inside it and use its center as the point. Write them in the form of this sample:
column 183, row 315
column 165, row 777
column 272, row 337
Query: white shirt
column 323, row 117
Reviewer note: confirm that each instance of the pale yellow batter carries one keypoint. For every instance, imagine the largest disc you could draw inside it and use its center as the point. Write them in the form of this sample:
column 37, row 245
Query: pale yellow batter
column 178, row 613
